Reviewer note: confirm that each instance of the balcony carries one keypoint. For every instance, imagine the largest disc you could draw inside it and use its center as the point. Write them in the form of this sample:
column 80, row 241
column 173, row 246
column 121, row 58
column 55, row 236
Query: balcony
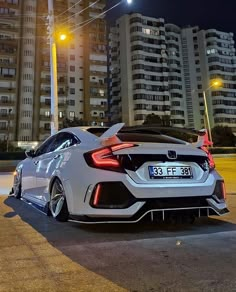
column 45, row 92
column 5, row 130
column 6, row 117
column 98, row 107
column 8, row 77
column 45, row 68
column 44, row 118
column 98, row 85
column 7, row 90
column 98, row 73
column 45, row 80
column 44, row 131
column 61, row 81
column 61, row 105
column 7, row 103
column 12, row 51
column 8, row 63
column 45, row 105
column 10, row 28
column 61, row 93
column 9, row 5
column 9, row 41
column 97, row 62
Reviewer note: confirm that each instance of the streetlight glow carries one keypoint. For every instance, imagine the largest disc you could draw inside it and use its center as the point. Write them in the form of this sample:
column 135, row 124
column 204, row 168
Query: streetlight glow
column 63, row 37
column 216, row 83
column 129, row 1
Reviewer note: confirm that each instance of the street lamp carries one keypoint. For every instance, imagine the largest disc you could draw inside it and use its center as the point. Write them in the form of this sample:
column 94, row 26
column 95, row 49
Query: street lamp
column 8, row 127
column 53, row 68
column 215, row 83
column 53, row 62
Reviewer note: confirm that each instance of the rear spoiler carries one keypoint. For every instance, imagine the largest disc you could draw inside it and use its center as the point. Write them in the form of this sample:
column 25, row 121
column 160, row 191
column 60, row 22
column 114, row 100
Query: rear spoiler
column 109, row 137
column 203, row 139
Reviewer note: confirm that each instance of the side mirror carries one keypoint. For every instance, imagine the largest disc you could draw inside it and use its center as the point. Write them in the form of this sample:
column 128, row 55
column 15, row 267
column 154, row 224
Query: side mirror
column 30, row 153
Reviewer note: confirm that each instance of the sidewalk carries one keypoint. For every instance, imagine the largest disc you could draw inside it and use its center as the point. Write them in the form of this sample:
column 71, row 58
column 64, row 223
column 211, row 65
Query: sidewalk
column 6, row 182
column 29, row 263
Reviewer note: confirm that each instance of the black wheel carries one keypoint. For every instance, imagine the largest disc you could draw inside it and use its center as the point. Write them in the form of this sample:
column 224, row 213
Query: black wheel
column 57, row 204
column 17, row 186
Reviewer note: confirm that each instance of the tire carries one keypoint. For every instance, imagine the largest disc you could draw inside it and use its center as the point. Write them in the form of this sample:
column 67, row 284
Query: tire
column 58, row 204
column 17, row 186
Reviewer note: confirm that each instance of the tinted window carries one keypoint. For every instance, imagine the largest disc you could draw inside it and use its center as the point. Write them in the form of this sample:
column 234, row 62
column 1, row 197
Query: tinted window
column 44, row 148
column 63, row 140
column 138, row 137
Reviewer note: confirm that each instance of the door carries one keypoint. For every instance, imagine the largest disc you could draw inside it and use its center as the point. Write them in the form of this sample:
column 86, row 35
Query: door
column 30, row 170
column 51, row 161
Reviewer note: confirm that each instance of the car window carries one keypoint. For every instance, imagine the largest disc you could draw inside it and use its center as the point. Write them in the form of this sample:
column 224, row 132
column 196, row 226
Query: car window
column 151, row 138
column 63, row 140
column 45, row 146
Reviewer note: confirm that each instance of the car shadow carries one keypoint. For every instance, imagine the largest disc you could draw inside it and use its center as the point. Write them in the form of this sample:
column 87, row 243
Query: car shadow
column 71, row 232
column 88, row 245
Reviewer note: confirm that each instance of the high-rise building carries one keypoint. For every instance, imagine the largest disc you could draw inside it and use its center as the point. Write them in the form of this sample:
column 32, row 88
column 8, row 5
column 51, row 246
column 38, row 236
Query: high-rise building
column 139, row 70
column 209, row 55
column 163, row 69
column 25, row 88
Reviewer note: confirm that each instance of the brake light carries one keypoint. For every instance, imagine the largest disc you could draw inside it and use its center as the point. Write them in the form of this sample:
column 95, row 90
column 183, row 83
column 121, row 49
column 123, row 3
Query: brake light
column 209, row 156
column 104, row 158
column 96, row 195
column 121, row 146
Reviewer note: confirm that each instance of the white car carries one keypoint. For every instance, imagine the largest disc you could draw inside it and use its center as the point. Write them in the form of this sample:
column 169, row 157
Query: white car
column 121, row 176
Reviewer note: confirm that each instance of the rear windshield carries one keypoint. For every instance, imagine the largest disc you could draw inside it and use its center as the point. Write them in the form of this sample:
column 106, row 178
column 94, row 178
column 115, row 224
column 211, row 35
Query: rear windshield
column 156, row 138
column 141, row 135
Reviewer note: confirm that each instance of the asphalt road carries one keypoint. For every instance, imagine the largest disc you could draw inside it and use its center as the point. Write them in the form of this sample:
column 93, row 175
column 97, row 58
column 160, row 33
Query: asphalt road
column 40, row 254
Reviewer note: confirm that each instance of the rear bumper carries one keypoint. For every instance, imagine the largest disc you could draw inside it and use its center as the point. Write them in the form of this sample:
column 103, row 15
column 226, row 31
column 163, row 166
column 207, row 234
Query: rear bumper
column 159, row 209
column 114, row 201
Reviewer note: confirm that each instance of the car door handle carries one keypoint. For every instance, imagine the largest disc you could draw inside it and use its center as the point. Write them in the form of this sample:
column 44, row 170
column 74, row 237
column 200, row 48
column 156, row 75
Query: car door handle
column 36, row 162
column 57, row 156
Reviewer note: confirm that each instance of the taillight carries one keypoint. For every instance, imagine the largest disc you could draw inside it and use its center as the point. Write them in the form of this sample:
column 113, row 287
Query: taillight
column 96, row 195
column 104, row 158
column 210, row 157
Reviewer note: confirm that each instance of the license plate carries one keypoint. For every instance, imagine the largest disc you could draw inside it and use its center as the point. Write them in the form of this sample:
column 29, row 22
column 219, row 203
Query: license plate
column 161, row 172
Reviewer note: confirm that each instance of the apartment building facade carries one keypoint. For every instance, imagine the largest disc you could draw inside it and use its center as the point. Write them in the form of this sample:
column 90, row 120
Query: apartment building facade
column 25, row 80
column 163, row 69
column 209, row 55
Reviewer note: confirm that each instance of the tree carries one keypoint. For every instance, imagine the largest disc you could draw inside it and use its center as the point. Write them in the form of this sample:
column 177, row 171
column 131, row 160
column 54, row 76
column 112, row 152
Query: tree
column 223, row 136
column 157, row 120
column 11, row 147
column 67, row 123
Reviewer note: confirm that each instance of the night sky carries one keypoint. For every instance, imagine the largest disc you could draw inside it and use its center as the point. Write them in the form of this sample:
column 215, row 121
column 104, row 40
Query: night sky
column 219, row 14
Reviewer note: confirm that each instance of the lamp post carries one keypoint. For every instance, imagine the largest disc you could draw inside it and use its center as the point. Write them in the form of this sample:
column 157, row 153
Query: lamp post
column 8, row 127
column 53, row 64
column 53, row 68
column 216, row 83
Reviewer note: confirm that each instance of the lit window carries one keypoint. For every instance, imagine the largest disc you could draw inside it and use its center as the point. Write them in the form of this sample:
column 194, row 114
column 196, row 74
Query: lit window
column 146, row 30
column 71, row 114
column 101, row 92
